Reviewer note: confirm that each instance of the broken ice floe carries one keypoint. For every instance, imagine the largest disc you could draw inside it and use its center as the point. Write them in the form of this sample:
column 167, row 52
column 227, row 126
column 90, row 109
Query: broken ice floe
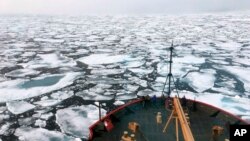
column 40, row 123
column 49, row 61
column 149, row 93
column 95, row 59
column 125, row 96
column 189, row 60
column 200, row 81
column 118, row 103
column 47, row 103
column 46, row 116
column 48, row 40
column 55, row 98
column 40, row 134
column 237, row 106
column 76, row 120
column 141, row 71
column 6, row 130
column 94, row 96
column 107, row 71
column 19, row 107
column 241, row 73
column 22, row 88
column 22, row 73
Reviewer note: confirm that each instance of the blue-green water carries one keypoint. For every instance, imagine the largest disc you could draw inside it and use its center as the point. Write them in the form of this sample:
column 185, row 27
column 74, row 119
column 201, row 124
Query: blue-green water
column 47, row 81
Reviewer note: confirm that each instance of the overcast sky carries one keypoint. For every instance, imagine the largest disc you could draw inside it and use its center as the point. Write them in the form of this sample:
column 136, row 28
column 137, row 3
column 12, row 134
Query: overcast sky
column 85, row 7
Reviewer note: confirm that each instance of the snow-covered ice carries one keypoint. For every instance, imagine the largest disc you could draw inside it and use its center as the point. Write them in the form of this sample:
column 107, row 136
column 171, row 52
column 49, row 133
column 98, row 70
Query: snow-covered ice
column 40, row 134
column 242, row 74
column 238, row 106
column 95, row 59
column 22, row 88
column 49, row 61
column 76, row 120
column 19, row 107
column 200, row 81
column 20, row 73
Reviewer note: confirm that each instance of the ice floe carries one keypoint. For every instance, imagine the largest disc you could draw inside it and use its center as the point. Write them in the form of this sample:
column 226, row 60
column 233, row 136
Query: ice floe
column 40, row 123
column 118, row 103
column 94, row 95
column 236, row 106
column 19, row 107
column 201, row 81
column 62, row 95
column 76, row 120
column 149, row 93
column 138, row 81
column 22, row 88
column 131, row 88
column 40, row 134
column 242, row 74
column 49, row 102
column 6, row 130
column 21, row 73
column 95, row 59
column 46, row 116
column 52, row 60
column 189, row 60
column 49, row 40
column 133, row 64
column 141, row 71
column 107, row 71
column 125, row 96
column 106, row 80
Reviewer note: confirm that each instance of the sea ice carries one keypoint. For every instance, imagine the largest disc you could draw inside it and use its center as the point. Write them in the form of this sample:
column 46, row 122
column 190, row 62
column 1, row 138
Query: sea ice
column 130, row 88
column 105, row 80
column 242, row 73
column 49, row 102
column 20, row 73
column 40, row 134
column 227, row 103
column 149, row 93
column 141, row 71
column 76, row 120
column 138, row 81
column 52, row 60
column 62, row 95
column 19, row 107
column 95, row 59
column 125, row 96
column 107, row 71
column 5, row 129
column 49, row 40
column 21, row 88
column 46, row 116
column 40, row 123
column 189, row 60
column 200, row 81
column 133, row 64
column 118, row 103
column 90, row 95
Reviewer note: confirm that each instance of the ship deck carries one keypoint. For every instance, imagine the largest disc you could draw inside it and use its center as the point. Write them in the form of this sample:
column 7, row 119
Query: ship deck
column 201, row 122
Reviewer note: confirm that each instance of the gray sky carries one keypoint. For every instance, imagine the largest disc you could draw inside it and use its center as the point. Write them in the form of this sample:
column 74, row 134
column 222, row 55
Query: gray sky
column 83, row 7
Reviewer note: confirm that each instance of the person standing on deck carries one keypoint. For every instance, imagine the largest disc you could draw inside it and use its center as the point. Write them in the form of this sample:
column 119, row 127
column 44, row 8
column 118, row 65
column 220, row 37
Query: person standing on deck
column 168, row 103
column 183, row 101
column 154, row 99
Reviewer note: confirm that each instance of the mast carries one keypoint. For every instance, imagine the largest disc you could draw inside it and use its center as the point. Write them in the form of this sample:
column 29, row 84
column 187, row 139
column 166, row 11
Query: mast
column 170, row 69
column 170, row 75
